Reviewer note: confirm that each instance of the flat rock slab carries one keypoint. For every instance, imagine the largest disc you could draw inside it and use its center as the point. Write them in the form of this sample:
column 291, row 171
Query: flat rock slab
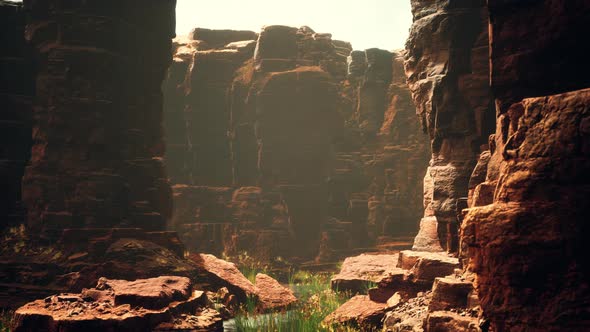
column 358, row 272
column 222, row 273
column 358, row 311
column 153, row 293
column 426, row 266
column 272, row 295
column 97, row 309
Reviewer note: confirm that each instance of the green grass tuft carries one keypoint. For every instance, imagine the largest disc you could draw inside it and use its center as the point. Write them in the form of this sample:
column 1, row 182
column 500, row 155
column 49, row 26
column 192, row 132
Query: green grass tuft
column 5, row 319
column 316, row 301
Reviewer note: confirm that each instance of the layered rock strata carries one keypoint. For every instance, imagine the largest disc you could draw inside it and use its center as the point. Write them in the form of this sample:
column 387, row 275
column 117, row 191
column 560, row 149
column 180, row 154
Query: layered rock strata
column 527, row 226
column 408, row 291
column 448, row 73
column 95, row 188
column 301, row 145
column 97, row 133
column 16, row 91
column 157, row 304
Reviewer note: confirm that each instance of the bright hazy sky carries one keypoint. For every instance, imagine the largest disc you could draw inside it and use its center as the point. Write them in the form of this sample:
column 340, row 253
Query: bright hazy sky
column 364, row 23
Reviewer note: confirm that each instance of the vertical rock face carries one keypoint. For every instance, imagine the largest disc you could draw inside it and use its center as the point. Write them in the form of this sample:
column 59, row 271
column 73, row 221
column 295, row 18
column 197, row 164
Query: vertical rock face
column 528, row 227
column 316, row 150
column 383, row 147
column 97, row 135
column 296, row 113
column 16, row 90
column 447, row 70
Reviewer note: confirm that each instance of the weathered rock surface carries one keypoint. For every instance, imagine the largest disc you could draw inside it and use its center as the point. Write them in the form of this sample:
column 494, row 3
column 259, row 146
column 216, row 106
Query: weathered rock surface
column 408, row 316
column 358, row 311
column 97, row 133
column 401, row 289
column 221, row 273
column 535, row 191
column 147, row 293
column 285, row 119
column 551, row 63
column 272, row 295
column 450, row 293
column 448, row 73
column 444, row 321
column 81, row 257
column 424, row 267
column 538, row 189
column 358, row 272
column 118, row 305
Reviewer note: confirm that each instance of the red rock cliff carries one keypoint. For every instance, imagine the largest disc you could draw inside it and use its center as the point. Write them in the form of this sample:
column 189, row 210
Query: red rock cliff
column 97, row 132
column 448, row 74
column 280, row 137
column 527, row 232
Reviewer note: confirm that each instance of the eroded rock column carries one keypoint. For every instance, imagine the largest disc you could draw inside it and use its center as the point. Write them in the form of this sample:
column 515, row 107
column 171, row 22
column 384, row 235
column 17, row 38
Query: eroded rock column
column 96, row 156
column 447, row 70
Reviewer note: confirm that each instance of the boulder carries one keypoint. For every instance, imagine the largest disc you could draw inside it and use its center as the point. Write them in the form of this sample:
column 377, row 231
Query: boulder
column 203, row 320
column 358, row 311
column 221, row 273
column 272, row 295
column 359, row 272
column 153, row 293
column 115, row 305
column 409, row 315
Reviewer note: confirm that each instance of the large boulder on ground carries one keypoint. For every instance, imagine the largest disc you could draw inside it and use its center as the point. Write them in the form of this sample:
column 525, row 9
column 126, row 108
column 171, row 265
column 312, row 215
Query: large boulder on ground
column 272, row 295
column 358, row 272
column 220, row 273
column 358, row 311
column 119, row 305
column 268, row 293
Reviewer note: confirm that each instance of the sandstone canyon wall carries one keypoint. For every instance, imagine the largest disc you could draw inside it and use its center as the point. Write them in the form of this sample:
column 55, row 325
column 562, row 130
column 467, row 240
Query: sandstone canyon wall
column 279, row 135
column 16, row 91
column 97, row 120
column 527, row 229
column 447, row 68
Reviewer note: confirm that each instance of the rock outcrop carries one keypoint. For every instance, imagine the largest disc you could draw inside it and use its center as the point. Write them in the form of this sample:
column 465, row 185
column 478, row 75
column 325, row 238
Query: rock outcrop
column 157, row 304
column 448, row 73
column 16, row 90
column 359, row 272
column 399, row 299
column 527, row 237
column 95, row 187
column 282, row 138
column 97, row 132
